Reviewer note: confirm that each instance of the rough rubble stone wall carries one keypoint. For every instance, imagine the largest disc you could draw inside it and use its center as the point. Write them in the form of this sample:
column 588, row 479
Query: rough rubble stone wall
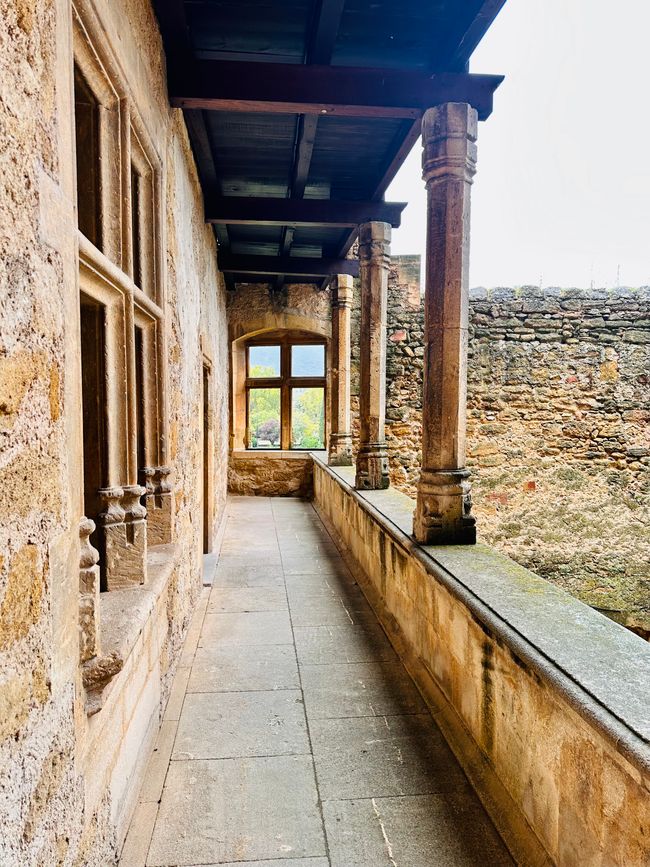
column 45, row 775
column 253, row 303
column 558, row 429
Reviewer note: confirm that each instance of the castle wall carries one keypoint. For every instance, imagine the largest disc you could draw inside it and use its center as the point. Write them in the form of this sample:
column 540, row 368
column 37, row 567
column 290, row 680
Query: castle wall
column 558, row 428
column 67, row 779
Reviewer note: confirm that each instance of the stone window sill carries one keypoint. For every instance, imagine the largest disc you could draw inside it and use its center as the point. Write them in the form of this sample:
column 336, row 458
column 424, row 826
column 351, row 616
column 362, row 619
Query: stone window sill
column 276, row 454
column 124, row 614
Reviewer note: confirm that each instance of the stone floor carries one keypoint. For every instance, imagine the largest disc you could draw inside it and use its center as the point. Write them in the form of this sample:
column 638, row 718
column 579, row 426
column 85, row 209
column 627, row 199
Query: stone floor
column 293, row 734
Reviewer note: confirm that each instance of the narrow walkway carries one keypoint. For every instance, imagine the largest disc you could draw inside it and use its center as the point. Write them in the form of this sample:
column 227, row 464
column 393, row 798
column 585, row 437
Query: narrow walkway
column 294, row 735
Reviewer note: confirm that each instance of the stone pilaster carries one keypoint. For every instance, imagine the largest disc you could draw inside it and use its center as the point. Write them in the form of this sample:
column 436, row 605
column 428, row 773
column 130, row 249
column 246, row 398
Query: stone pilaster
column 125, row 536
column 442, row 514
column 340, row 444
column 374, row 261
column 159, row 504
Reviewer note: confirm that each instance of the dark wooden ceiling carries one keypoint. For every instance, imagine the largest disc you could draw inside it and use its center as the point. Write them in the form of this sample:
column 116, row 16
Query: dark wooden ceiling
column 331, row 115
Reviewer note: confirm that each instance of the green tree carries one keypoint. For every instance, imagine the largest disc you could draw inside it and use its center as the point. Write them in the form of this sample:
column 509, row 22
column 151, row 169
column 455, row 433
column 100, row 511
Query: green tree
column 308, row 418
column 263, row 408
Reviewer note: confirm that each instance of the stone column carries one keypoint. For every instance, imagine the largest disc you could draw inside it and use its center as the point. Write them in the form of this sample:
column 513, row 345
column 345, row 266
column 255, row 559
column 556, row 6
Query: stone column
column 340, row 445
column 442, row 514
column 158, row 501
column 374, row 260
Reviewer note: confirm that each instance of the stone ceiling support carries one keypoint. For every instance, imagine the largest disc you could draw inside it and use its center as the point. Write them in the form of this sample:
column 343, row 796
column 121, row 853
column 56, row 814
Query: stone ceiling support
column 374, row 261
column 442, row 514
column 340, row 444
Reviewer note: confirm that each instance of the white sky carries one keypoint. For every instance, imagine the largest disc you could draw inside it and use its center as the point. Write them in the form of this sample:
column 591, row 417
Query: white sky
column 562, row 192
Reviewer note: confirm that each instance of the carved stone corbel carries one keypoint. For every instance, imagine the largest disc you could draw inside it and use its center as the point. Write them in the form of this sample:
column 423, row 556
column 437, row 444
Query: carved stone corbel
column 159, row 503
column 125, row 536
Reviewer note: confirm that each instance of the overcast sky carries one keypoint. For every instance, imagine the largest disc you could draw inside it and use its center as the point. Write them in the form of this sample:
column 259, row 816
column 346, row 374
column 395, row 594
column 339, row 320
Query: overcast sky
column 562, row 192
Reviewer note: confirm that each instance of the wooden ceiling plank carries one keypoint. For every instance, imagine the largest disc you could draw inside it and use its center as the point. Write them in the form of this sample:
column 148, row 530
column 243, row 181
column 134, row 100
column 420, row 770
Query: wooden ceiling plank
column 336, row 90
column 320, row 46
column 297, row 266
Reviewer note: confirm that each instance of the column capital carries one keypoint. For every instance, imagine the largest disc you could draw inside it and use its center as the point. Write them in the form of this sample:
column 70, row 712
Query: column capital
column 449, row 134
column 374, row 242
column 343, row 291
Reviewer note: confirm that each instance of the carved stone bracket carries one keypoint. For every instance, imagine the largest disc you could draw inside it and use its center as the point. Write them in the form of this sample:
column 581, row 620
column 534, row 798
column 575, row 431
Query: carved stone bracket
column 96, row 674
column 159, row 504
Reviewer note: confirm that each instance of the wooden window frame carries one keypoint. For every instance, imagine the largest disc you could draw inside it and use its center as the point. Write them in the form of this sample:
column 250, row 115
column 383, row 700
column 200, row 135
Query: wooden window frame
column 286, row 382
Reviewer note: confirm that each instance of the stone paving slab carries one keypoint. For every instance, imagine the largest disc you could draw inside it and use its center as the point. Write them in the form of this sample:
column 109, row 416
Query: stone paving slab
column 242, row 599
column 359, row 690
column 367, row 757
column 241, row 669
column 284, row 862
column 441, row 830
column 247, row 629
column 321, row 645
column 332, row 610
column 253, row 575
column 238, row 724
column 246, row 774
column 335, row 584
column 213, row 812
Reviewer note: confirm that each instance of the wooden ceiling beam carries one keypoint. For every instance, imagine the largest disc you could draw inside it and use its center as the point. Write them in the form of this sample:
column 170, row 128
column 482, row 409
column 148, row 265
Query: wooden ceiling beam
column 277, row 88
column 263, row 211
column 290, row 266
column 481, row 15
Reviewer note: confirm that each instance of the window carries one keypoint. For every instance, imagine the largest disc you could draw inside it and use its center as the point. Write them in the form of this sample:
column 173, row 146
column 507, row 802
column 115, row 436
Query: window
column 285, row 393
column 142, row 230
column 86, row 116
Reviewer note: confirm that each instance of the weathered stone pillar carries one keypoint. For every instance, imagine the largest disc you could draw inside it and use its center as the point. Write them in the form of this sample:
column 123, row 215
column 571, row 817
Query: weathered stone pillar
column 125, row 536
column 442, row 514
column 340, row 445
column 158, row 501
column 374, row 261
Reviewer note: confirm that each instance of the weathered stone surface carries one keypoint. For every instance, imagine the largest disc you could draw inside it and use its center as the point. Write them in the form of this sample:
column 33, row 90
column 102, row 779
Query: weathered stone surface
column 374, row 261
column 65, row 778
column 504, row 656
column 558, row 430
column 270, row 475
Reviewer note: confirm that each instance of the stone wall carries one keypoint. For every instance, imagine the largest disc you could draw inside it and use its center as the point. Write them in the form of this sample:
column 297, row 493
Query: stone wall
column 254, row 309
column 558, row 429
column 283, row 474
column 512, row 669
column 67, row 780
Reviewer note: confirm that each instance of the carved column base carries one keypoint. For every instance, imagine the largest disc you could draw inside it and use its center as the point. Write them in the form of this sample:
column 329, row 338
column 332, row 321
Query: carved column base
column 340, row 450
column 125, row 536
column 372, row 467
column 158, row 501
column 443, row 509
